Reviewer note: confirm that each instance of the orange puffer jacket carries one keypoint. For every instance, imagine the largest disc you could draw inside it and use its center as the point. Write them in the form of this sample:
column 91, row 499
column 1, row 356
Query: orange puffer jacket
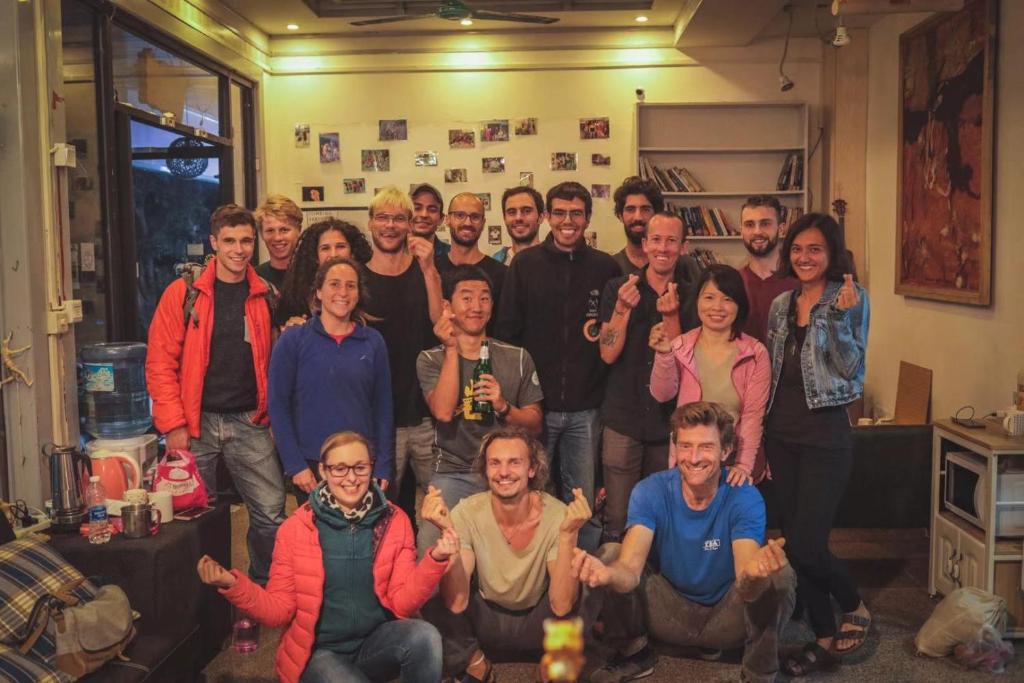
column 177, row 356
column 295, row 591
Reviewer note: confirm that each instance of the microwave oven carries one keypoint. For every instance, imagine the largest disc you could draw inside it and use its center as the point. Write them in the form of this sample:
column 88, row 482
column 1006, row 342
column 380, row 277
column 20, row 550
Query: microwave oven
column 967, row 494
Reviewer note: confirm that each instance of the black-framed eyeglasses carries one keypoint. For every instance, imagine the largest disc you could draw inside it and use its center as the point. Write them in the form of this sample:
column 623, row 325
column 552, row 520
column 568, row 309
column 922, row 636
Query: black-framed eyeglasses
column 361, row 470
column 462, row 215
column 559, row 215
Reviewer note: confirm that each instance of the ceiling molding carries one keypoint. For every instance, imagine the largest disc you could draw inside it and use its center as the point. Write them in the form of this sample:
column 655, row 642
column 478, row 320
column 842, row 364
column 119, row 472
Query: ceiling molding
column 714, row 23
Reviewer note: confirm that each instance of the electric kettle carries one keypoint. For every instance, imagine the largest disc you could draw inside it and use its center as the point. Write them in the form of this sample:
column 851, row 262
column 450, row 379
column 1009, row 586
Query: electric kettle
column 66, row 477
column 109, row 466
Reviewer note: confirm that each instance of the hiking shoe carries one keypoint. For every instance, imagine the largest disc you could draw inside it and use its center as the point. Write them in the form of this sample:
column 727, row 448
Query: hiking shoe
column 620, row 668
column 709, row 654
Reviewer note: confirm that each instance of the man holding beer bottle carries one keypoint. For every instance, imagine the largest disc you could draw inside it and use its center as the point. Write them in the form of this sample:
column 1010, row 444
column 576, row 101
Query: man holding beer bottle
column 471, row 384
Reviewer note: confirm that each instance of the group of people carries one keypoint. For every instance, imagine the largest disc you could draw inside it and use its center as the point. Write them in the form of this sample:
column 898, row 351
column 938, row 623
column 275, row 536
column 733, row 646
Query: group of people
column 339, row 365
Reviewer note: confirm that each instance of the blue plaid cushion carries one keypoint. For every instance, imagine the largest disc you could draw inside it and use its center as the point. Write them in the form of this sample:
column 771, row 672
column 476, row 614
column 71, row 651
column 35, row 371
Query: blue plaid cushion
column 18, row 668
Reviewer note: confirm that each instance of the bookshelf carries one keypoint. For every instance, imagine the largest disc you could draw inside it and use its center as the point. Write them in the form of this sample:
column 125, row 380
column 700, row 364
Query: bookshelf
column 727, row 152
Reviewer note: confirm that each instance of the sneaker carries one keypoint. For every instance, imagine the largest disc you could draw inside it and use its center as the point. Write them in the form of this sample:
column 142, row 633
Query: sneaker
column 709, row 654
column 620, row 668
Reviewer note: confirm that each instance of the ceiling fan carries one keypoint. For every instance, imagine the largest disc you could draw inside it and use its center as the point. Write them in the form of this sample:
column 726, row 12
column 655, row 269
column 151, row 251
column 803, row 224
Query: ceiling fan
column 457, row 10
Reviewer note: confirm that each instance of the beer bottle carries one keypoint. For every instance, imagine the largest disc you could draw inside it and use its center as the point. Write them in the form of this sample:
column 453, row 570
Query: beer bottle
column 483, row 367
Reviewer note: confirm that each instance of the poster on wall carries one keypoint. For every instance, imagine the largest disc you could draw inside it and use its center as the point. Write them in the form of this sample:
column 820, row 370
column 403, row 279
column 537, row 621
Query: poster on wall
column 563, row 161
column 601, row 191
column 302, row 135
column 392, row 129
column 461, row 138
column 493, row 164
column 312, row 193
column 944, row 212
column 376, row 160
column 355, row 185
column 494, row 235
column 595, row 129
column 485, row 198
column 455, row 175
column 330, row 148
column 600, row 160
column 426, row 159
column 526, row 178
column 526, row 127
column 494, row 131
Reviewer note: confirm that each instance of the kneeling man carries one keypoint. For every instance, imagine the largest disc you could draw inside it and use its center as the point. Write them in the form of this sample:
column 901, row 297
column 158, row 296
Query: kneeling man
column 718, row 585
column 515, row 568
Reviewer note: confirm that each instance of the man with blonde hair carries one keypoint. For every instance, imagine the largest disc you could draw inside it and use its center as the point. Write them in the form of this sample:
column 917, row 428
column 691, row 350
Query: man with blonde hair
column 280, row 221
column 403, row 301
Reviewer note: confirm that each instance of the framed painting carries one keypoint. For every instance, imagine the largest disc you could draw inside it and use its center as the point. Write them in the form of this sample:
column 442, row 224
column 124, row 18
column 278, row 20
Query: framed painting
column 944, row 211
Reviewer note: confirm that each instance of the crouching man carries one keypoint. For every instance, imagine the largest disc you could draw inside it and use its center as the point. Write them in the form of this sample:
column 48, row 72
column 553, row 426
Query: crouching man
column 515, row 568
column 718, row 585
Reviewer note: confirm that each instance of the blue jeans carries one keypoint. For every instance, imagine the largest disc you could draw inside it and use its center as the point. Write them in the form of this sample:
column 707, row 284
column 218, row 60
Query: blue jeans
column 408, row 648
column 572, row 441
column 249, row 454
column 454, row 486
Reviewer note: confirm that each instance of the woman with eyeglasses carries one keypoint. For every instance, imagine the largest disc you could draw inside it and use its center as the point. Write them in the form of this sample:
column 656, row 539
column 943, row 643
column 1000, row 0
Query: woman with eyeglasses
column 345, row 582
column 331, row 374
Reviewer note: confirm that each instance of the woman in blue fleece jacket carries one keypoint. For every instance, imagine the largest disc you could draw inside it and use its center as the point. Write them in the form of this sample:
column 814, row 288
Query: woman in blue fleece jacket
column 329, row 375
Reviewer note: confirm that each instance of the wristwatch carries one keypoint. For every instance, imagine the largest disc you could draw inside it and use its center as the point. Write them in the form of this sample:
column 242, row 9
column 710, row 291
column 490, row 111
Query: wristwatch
column 502, row 414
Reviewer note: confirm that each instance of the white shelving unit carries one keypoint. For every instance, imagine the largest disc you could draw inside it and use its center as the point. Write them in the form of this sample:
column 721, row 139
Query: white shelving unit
column 966, row 554
column 734, row 150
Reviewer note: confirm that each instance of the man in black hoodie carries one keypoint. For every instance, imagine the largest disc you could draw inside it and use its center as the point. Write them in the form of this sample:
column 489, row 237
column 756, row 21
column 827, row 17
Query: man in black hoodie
column 550, row 305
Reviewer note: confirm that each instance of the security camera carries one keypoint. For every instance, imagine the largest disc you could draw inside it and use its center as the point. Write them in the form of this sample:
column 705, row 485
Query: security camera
column 841, row 36
column 641, row 95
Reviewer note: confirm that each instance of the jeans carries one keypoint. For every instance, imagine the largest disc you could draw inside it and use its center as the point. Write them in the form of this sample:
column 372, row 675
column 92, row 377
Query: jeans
column 626, row 461
column 249, row 454
column 414, row 445
column 731, row 622
column 409, row 649
column 454, row 486
column 572, row 441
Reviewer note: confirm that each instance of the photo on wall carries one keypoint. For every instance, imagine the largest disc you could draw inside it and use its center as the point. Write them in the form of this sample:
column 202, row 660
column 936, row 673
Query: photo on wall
column 485, row 199
column 426, row 158
column 355, row 185
column 600, row 160
column 563, row 161
column 526, row 178
column 601, row 191
column 494, row 235
column 312, row 193
column 493, row 164
column 461, row 138
column 494, row 131
column 376, row 160
column 455, row 175
column 392, row 129
column 526, row 126
column 595, row 129
column 301, row 135
column 330, row 148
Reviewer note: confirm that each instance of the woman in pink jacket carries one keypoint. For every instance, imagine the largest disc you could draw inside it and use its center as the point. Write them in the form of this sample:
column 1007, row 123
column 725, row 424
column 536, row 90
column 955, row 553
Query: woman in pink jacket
column 345, row 581
column 717, row 363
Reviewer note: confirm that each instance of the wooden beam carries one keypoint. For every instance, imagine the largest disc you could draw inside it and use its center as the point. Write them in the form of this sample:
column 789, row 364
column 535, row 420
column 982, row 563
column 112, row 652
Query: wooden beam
column 850, row 7
column 723, row 23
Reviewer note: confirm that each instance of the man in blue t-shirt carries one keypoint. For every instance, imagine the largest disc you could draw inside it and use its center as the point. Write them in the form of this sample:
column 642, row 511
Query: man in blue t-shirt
column 713, row 583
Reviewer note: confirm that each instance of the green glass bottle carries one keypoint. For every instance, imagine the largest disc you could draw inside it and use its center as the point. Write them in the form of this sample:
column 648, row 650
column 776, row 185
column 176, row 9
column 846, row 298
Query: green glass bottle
column 483, row 367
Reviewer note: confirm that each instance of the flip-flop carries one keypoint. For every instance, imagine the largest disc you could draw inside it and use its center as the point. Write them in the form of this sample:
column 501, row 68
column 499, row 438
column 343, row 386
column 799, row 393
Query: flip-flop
column 858, row 635
column 809, row 659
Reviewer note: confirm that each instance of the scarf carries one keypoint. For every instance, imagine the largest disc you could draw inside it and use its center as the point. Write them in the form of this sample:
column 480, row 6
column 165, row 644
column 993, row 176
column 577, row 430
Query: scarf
column 327, row 499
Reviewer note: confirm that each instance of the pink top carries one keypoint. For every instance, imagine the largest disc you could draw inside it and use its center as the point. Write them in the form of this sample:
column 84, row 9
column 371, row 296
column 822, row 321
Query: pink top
column 675, row 375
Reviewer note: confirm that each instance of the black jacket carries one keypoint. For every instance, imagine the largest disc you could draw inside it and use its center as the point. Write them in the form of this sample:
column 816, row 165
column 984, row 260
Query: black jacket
column 549, row 297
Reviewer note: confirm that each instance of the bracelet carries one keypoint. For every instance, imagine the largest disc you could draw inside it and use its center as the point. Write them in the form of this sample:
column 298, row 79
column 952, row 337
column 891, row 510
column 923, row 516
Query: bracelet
column 502, row 414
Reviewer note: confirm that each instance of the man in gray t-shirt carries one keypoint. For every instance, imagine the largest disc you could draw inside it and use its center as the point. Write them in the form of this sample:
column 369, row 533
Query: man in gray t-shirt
column 446, row 376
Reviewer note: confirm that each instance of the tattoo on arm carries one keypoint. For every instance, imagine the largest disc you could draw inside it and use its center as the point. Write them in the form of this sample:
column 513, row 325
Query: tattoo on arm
column 609, row 337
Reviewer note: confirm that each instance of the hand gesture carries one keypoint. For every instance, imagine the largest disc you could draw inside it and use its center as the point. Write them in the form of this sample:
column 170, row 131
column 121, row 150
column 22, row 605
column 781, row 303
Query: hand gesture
column 668, row 303
column 304, row 480
column 422, row 250
column 488, row 389
column 212, row 574
column 848, row 296
column 447, row 546
column 769, row 559
column 577, row 514
column 294, row 321
column 658, row 340
column 434, row 509
column 444, row 328
column 629, row 294
column 738, row 476
column 590, row 570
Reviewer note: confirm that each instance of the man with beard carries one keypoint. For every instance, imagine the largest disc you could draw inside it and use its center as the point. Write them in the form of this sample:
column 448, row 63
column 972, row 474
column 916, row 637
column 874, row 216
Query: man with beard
column 636, row 200
column 280, row 221
column 466, row 223
column 636, row 432
column 427, row 216
column 403, row 300
column 523, row 209
column 760, row 227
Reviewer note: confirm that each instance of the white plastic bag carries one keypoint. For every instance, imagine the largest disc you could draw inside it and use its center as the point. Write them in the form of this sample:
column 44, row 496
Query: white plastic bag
column 959, row 618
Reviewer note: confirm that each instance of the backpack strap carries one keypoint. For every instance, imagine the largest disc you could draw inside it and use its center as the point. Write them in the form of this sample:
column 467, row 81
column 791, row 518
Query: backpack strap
column 188, row 304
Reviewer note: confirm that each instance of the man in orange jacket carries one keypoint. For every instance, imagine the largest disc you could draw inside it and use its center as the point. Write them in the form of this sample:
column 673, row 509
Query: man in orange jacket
column 206, row 369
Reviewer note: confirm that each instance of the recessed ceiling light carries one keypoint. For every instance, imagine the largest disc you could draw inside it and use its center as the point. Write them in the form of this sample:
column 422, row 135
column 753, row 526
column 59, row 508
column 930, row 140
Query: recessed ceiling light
column 466, row 22
column 641, row 19
column 292, row 27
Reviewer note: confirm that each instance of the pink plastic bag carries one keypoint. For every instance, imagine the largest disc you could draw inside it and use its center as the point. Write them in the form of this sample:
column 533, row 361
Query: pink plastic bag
column 178, row 473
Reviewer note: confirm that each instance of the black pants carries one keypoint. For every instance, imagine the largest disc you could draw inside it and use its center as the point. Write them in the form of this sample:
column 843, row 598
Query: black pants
column 809, row 483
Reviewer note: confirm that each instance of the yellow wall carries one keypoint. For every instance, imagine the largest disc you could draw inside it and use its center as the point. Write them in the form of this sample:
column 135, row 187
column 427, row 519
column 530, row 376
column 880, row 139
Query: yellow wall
column 975, row 353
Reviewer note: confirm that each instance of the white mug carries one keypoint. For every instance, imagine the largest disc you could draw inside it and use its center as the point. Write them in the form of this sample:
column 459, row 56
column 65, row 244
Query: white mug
column 1013, row 423
column 164, row 502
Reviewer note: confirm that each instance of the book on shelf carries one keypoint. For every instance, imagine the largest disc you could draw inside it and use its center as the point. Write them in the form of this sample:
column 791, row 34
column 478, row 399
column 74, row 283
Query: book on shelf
column 791, row 175
column 703, row 257
column 670, row 178
column 702, row 221
column 790, row 214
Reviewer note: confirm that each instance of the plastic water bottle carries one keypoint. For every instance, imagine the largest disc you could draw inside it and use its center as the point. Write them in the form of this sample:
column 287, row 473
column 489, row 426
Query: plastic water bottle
column 96, row 503
column 245, row 636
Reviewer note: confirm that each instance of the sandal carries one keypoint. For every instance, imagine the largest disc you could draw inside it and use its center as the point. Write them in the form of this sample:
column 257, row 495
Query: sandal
column 857, row 635
column 809, row 659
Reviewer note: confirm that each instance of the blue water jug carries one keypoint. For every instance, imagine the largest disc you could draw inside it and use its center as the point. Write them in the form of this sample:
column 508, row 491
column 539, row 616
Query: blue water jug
column 112, row 399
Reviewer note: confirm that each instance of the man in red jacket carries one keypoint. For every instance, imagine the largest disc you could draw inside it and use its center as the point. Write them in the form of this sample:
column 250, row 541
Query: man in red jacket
column 206, row 370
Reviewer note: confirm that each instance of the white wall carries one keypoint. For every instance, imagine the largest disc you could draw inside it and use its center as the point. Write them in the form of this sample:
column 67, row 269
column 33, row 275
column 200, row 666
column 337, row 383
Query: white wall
column 975, row 353
column 436, row 101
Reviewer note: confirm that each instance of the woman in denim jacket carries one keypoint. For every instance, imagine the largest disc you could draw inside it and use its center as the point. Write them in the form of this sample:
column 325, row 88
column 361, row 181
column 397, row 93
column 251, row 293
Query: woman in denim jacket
column 817, row 337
